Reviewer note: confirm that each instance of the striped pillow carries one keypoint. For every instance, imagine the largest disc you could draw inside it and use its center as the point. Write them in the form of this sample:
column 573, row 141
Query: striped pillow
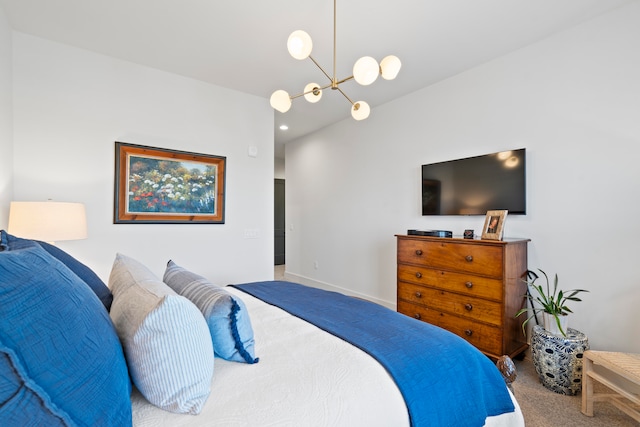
column 171, row 368
column 226, row 315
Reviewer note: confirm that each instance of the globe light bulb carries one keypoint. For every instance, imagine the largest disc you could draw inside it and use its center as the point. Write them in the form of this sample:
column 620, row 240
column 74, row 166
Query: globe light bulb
column 360, row 110
column 390, row 67
column 299, row 44
column 312, row 92
column 366, row 70
column 280, row 101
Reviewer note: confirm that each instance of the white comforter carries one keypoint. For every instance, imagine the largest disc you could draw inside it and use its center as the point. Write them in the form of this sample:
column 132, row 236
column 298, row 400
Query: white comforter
column 305, row 377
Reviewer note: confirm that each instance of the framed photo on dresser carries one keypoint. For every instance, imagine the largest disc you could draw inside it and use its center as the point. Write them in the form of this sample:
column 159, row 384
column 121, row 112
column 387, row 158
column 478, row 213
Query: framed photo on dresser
column 494, row 225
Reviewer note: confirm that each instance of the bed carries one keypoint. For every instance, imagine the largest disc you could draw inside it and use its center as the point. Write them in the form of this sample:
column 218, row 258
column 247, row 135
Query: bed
column 252, row 355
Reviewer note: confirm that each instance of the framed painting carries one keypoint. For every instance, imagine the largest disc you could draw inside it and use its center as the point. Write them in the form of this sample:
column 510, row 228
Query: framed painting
column 494, row 225
column 162, row 186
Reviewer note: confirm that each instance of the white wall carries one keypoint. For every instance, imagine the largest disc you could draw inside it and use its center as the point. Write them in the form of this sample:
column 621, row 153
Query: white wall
column 573, row 100
column 6, row 120
column 70, row 107
column 279, row 168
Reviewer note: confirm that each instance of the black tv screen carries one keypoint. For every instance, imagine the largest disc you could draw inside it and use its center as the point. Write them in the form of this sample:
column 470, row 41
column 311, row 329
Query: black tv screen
column 475, row 185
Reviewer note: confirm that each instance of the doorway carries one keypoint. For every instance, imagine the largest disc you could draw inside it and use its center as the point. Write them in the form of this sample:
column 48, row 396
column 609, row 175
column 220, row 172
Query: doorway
column 279, row 222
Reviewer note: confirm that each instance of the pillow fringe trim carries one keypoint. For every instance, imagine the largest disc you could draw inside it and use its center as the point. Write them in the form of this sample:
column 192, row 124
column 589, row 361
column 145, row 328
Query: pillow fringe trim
column 235, row 308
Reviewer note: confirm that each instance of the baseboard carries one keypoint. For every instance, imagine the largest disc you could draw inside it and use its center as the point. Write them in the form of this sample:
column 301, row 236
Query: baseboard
column 329, row 287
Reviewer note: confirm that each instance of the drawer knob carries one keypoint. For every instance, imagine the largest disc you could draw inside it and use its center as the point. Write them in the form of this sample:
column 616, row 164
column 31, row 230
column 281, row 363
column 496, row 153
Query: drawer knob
column 469, row 285
column 418, row 274
column 469, row 258
column 468, row 332
column 468, row 307
column 417, row 316
column 418, row 252
column 418, row 295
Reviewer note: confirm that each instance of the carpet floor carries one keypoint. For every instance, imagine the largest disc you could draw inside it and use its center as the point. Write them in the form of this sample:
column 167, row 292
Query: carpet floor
column 544, row 408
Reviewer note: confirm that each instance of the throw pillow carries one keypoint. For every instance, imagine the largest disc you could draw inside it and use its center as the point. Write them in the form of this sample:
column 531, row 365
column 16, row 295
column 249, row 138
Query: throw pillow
column 226, row 315
column 60, row 359
column 165, row 338
column 10, row 242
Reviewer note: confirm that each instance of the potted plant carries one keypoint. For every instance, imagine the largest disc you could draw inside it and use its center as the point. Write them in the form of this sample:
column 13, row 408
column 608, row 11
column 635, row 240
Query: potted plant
column 551, row 302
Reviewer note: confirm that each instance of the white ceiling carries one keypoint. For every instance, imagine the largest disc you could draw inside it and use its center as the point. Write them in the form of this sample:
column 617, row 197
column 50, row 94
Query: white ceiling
column 241, row 44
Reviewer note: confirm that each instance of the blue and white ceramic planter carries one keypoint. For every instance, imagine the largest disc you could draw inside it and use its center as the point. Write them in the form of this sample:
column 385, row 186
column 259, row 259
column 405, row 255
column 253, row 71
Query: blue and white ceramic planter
column 558, row 359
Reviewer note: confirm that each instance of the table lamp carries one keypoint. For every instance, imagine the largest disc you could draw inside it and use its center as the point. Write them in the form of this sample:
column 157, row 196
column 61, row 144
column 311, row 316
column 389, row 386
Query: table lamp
column 48, row 221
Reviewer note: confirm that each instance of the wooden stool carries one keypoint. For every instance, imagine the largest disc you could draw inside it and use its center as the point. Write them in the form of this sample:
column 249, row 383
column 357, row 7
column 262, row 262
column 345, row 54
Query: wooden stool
column 620, row 372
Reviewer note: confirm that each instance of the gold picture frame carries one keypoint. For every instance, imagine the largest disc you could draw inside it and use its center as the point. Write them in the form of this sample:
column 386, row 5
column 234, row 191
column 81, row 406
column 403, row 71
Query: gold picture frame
column 494, row 225
column 161, row 186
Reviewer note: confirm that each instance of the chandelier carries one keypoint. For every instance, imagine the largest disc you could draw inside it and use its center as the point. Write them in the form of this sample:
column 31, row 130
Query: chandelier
column 365, row 71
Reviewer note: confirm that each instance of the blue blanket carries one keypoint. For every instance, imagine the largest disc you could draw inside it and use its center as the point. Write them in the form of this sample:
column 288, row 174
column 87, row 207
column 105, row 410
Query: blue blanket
column 444, row 380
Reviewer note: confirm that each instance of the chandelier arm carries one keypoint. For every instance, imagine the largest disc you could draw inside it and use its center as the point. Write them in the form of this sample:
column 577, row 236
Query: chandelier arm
column 309, row 91
column 345, row 95
column 292, row 97
column 344, row 80
column 321, row 69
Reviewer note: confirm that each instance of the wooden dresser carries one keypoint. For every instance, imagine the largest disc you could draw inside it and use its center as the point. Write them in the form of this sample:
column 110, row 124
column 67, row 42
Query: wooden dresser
column 470, row 287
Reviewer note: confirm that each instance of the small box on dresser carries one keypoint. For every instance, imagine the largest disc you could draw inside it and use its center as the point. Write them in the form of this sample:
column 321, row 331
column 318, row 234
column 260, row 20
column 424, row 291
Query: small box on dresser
column 471, row 287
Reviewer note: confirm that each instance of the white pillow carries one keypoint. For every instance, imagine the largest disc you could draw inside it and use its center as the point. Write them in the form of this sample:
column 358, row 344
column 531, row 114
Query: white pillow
column 165, row 338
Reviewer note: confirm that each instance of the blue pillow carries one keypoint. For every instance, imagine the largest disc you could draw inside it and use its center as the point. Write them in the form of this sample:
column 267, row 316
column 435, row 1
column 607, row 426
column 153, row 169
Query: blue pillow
column 226, row 315
column 9, row 242
column 20, row 404
column 60, row 358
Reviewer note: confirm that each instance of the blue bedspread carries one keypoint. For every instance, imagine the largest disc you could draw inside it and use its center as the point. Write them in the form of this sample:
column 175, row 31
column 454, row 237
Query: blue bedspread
column 444, row 380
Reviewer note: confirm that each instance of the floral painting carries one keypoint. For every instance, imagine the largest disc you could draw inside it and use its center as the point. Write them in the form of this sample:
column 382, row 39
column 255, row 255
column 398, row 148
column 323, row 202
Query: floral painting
column 159, row 185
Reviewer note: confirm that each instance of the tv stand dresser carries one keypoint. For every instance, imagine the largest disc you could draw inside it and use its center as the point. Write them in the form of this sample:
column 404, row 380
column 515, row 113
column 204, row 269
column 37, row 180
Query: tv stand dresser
column 471, row 287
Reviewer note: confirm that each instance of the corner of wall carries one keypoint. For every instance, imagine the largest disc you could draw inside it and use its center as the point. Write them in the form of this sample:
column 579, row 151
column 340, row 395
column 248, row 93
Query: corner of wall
column 6, row 118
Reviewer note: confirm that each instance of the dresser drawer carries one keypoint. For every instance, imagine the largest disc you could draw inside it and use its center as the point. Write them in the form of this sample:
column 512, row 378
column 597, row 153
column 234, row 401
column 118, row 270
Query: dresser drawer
column 477, row 286
column 486, row 338
column 477, row 259
column 464, row 306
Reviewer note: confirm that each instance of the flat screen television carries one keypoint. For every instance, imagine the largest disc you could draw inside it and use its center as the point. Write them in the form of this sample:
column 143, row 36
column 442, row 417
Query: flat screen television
column 475, row 185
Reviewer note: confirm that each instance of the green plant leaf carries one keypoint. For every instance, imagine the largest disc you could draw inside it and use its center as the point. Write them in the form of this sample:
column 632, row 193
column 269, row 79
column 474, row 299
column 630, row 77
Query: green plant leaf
column 543, row 299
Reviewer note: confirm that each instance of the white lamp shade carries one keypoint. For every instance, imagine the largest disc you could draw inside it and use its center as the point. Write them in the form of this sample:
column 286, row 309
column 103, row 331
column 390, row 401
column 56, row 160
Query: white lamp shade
column 312, row 92
column 48, row 221
column 366, row 70
column 280, row 101
column 360, row 110
column 390, row 67
column 299, row 44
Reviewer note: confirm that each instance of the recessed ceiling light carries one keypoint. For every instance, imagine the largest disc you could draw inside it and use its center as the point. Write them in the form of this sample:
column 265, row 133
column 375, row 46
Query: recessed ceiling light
column 284, row 127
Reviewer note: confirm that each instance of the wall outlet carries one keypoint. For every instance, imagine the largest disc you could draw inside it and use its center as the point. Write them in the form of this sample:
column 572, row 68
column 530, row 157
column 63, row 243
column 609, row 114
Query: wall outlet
column 251, row 233
column 316, row 265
